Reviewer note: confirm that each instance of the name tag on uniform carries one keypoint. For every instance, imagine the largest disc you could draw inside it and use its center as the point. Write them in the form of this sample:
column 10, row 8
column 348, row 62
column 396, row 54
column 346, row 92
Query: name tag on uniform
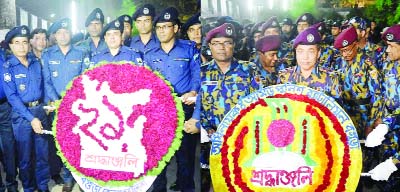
column 209, row 83
column 75, row 61
column 53, row 62
column 181, row 59
column 22, row 75
column 390, row 75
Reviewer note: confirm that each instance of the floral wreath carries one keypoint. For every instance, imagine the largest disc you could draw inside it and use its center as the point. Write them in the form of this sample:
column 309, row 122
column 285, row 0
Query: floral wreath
column 286, row 138
column 162, row 133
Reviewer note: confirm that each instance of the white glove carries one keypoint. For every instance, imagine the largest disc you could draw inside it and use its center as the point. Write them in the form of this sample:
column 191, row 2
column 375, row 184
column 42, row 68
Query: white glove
column 376, row 136
column 383, row 170
column 204, row 138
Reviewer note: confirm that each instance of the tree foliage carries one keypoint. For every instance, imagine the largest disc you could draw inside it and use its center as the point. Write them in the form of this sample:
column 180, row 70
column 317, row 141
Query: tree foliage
column 384, row 12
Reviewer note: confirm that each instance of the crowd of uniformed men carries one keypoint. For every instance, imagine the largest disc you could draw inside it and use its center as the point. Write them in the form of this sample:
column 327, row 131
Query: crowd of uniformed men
column 348, row 60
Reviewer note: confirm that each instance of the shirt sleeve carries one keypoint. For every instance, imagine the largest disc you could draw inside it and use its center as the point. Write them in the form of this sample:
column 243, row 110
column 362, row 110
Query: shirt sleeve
column 195, row 69
column 12, row 95
column 49, row 90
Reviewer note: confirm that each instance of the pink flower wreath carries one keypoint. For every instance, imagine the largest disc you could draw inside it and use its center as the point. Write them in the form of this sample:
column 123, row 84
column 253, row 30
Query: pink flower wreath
column 162, row 132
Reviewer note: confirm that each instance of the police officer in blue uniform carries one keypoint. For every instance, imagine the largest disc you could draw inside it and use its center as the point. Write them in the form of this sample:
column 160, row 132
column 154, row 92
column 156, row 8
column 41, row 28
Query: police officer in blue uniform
column 94, row 24
column 7, row 140
column 23, row 85
column 127, row 21
column 61, row 63
column 146, row 40
column 115, row 51
column 179, row 62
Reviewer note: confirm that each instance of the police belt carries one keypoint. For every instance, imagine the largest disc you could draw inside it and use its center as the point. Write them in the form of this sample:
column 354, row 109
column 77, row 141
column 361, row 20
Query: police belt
column 33, row 103
column 3, row 100
column 357, row 102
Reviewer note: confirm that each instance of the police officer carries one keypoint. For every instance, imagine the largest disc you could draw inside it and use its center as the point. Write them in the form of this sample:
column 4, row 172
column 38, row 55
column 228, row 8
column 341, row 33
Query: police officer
column 38, row 41
column 146, row 40
column 61, row 63
column 23, row 85
column 94, row 24
column 307, row 72
column 360, row 80
column 271, row 27
column 115, row 51
column 224, row 80
column 374, row 51
column 267, row 64
column 287, row 30
column 7, row 140
column 179, row 61
column 256, row 34
column 304, row 21
column 192, row 29
column 328, row 53
column 389, row 133
column 127, row 21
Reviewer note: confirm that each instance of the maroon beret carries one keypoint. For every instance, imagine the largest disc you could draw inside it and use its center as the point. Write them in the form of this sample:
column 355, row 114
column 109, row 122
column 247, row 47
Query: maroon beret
column 225, row 30
column 268, row 43
column 272, row 22
column 345, row 38
column 392, row 34
column 310, row 36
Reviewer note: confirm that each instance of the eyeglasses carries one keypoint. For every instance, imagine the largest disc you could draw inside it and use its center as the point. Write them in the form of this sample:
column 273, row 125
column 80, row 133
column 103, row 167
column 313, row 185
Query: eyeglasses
column 164, row 27
column 224, row 44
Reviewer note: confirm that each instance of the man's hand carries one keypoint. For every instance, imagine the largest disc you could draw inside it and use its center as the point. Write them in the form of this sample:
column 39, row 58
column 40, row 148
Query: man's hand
column 37, row 125
column 210, row 132
column 186, row 96
column 190, row 126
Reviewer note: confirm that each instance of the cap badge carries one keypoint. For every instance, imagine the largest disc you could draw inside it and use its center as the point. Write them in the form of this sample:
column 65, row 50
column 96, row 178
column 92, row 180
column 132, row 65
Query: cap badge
column 229, row 31
column 146, row 11
column 23, row 31
column 389, row 36
column 167, row 16
column 304, row 18
column 273, row 23
column 63, row 24
column 98, row 15
column 345, row 43
column 310, row 38
column 116, row 24
column 126, row 18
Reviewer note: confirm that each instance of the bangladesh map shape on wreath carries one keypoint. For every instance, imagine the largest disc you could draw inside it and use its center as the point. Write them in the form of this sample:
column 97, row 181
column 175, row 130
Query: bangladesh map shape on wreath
column 117, row 126
column 286, row 138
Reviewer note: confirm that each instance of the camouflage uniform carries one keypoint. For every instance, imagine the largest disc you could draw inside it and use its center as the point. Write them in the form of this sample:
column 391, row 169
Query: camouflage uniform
column 361, row 91
column 320, row 80
column 391, row 117
column 220, row 91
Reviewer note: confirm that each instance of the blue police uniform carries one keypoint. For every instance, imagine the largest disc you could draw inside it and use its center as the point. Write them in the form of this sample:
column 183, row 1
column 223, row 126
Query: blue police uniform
column 7, row 141
column 24, row 89
column 88, row 46
column 124, row 54
column 60, row 69
column 181, row 67
column 144, row 49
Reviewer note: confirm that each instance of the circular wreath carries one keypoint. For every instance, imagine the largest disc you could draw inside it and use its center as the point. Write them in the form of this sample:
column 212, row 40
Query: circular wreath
column 162, row 131
column 286, row 138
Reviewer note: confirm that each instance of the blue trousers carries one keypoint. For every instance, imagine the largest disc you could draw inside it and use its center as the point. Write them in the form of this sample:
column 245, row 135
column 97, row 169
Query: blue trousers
column 7, row 148
column 32, row 148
